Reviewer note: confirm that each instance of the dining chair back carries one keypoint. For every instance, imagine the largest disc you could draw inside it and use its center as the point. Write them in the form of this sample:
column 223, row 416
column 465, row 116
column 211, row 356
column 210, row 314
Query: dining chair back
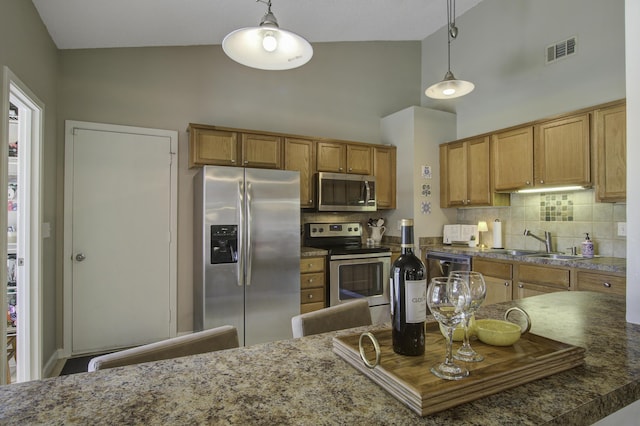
column 346, row 315
column 215, row 339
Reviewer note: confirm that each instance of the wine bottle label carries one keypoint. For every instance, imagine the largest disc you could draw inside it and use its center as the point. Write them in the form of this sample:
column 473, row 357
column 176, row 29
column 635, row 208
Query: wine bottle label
column 391, row 294
column 415, row 301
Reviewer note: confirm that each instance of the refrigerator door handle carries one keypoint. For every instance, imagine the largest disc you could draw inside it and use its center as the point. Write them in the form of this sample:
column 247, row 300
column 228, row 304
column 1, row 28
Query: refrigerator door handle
column 241, row 252
column 249, row 230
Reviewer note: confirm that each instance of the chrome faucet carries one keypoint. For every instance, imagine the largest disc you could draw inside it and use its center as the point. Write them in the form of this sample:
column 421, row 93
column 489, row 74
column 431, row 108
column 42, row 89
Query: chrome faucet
column 546, row 241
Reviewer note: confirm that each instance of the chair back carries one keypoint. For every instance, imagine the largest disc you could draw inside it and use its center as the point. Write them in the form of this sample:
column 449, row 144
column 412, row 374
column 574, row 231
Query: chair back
column 215, row 339
column 346, row 315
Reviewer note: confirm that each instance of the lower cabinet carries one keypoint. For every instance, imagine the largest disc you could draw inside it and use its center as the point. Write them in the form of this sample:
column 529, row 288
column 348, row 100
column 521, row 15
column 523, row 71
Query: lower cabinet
column 498, row 277
column 534, row 280
column 601, row 282
column 312, row 284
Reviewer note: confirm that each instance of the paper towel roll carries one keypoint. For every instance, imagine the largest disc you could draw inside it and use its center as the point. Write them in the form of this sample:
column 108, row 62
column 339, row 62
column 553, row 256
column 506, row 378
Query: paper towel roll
column 497, row 234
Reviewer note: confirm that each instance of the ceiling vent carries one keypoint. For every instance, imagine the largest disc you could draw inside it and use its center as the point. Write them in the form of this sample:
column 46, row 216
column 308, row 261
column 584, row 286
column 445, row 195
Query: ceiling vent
column 561, row 49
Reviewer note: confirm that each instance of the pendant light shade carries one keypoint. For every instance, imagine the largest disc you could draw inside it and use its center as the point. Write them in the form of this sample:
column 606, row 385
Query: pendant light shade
column 267, row 47
column 450, row 87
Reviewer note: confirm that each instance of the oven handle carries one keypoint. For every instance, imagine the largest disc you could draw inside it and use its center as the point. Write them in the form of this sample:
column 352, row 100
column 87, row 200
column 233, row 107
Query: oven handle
column 359, row 256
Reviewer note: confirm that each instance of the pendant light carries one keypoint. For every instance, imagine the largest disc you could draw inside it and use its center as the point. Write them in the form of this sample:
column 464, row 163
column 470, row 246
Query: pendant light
column 450, row 87
column 267, row 47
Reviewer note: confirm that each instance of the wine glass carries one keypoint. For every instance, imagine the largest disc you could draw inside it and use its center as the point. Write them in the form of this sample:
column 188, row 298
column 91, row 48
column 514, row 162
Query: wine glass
column 477, row 293
column 447, row 298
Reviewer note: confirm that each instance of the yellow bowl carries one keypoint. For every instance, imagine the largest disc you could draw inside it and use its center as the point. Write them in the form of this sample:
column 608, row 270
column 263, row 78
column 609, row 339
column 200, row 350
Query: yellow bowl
column 497, row 332
column 458, row 332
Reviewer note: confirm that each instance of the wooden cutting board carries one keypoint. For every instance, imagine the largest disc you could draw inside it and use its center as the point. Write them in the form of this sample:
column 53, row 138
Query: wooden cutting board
column 410, row 381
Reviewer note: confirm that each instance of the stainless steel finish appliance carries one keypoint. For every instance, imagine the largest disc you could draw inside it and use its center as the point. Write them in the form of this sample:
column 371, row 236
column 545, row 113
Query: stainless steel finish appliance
column 247, row 251
column 355, row 271
column 346, row 192
column 439, row 264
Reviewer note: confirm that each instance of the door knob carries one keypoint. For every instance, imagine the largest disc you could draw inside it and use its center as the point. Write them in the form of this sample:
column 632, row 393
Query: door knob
column 80, row 257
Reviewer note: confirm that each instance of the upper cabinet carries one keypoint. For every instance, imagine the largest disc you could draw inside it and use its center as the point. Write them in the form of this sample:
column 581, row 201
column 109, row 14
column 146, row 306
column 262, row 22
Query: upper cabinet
column 512, row 157
column 465, row 174
column 261, row 151
column 209, row 145
column 610, row 124
column 384, row 169
column 299, row 156
column 550, row 153
column 581, row 148
column 341, row 157
column 222, row 146
column 563, row 152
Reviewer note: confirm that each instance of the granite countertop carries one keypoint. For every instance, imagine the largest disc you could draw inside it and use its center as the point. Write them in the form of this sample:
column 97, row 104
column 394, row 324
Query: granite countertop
column 312, row 251
column 302, row 382
column 616, row 265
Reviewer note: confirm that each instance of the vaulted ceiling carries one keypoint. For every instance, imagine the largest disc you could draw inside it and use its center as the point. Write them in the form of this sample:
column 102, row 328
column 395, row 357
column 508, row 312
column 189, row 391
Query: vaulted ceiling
column 76, row 24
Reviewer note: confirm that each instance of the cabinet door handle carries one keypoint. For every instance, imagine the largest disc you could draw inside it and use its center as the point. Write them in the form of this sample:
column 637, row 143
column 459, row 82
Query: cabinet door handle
column 607, row 284
column 541, row 181
column 528, row 182
column 520, row 285
column 246, row 161
column 506, row 284
column 310, row 296
column 233, row 161
column 310, row 280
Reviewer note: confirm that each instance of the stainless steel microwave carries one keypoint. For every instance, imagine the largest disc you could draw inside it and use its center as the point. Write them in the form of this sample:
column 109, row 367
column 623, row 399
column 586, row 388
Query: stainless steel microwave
column 345, row 192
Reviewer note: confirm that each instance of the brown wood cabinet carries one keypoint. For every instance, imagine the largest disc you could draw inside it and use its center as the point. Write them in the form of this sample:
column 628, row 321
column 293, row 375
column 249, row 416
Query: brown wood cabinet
column 465, row 178
column 601, row 282
column 213, row 145
column 533, row 280
column 563, row 152
column 610, row 143
column 554, row 152
column 342, row 157
column 498, row 277
column 261, row 151
column 512, row 159
column 209, row 145
column 384, row 169
column 312, row 284
column 299, row 155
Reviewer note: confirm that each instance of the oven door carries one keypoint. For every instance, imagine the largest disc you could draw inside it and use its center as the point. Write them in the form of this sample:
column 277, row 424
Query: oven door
column 355, row 276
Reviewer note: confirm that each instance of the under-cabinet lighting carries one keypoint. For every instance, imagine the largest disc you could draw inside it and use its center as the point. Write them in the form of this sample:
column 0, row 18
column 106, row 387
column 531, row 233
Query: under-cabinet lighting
column 554, row 189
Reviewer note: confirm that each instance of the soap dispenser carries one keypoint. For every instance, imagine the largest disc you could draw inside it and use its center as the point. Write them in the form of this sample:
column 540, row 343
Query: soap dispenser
column 587, row 247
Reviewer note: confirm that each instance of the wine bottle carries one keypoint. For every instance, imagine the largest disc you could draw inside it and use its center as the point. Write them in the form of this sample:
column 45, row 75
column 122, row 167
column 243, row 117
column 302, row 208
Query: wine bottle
column 408, row 297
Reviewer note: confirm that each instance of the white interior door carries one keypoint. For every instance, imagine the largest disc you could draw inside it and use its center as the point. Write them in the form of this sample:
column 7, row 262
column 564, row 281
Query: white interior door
column 121, row 206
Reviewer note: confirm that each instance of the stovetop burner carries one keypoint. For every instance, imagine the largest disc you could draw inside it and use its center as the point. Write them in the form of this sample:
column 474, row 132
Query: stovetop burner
column 339, row 238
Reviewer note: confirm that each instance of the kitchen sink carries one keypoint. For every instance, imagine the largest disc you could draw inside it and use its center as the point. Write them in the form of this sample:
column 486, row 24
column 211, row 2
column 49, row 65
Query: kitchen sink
column 558, row 256
column 517, row 252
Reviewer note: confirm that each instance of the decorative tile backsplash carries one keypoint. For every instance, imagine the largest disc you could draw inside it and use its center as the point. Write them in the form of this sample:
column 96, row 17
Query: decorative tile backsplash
column 568, row 216
column 556, row 208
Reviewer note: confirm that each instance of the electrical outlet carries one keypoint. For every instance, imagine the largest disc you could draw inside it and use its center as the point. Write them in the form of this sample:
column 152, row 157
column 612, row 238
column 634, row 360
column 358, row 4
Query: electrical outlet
column 622, row 229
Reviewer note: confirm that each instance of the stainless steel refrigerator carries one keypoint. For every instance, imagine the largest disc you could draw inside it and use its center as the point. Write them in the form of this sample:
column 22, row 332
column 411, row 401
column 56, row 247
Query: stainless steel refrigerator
column 247, row 251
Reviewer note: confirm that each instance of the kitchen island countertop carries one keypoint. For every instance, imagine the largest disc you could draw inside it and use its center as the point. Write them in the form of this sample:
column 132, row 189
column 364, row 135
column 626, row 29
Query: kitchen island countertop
column 301, row 381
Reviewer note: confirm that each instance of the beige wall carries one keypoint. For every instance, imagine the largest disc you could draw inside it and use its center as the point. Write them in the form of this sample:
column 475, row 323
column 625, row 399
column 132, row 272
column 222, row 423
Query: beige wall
column 27, row 49
column 341, row 93
column 501, row 48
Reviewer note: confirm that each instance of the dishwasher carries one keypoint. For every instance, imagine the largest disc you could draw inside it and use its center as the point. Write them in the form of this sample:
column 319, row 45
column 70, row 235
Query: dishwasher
column 440, row 264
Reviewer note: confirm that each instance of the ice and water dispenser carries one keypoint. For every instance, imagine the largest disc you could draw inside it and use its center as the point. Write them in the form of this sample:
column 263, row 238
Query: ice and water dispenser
column 224, row 244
